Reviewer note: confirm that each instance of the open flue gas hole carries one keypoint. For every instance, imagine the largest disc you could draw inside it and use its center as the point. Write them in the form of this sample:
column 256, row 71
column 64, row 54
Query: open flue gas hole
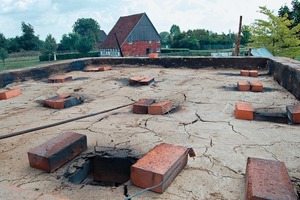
column 104, row 167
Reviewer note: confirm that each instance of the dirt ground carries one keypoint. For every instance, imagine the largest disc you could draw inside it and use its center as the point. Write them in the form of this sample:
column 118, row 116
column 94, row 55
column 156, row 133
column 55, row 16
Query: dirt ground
column 203, row 119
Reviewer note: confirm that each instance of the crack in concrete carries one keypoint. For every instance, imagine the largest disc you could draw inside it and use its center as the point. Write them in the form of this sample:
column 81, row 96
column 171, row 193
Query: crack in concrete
column 102, row 118
column 232, row 128
column 120, row 143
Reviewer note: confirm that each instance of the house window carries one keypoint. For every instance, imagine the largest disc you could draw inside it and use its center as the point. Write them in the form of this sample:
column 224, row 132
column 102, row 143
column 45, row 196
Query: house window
column 158, row 50
column 130, row 42
column 157, row 41
column 149, row 41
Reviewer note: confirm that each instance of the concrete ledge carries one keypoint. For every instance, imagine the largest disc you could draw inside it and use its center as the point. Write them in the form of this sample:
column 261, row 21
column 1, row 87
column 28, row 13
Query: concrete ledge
column 287, row 73
column 46, row 70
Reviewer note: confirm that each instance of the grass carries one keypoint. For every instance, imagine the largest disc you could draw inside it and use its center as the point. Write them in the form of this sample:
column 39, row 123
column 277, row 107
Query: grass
column 17, row 64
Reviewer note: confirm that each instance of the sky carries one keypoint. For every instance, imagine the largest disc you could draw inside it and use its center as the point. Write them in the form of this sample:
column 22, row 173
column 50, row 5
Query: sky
column 56, row 17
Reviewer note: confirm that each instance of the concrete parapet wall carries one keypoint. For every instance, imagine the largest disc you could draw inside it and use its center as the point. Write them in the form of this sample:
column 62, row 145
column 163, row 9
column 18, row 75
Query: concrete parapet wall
column 190, row 62
column 40, row 72
column 287, row 73
column 44, row 71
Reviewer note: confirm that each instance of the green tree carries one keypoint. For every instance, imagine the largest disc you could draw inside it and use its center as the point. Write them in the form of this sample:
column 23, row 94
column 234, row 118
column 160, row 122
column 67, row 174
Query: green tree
column 49, row 47
column 87, row 27
column 165, row 38
column 276, row 34
column 246, row 33
column 3, row 55
column 14, row 45
column 28, row 41
column 69, row 42
column 3, row 41
column 85, row 45
column 293, row 13
column 174, row 30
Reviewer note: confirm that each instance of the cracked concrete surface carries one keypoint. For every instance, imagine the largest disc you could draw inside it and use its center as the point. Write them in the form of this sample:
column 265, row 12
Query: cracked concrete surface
column 203, row 119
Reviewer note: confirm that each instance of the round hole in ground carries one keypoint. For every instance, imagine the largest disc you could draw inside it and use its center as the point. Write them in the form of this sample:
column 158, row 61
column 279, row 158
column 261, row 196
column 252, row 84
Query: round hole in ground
column 104, row 167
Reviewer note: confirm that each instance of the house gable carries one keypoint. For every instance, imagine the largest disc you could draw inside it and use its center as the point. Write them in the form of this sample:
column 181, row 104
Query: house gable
column 135, row 33
column 143, row 31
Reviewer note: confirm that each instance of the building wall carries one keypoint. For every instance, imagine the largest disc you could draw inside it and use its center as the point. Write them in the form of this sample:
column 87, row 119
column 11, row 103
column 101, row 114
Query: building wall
column 110, row 53
column 140, row 48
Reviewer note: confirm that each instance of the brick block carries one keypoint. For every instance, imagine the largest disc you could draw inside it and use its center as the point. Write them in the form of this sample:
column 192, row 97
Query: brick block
column 146, row 81
column 56, row 152
column 141, row 106
column 253, row 73
column 92, row 69
column 293, row 113
column 105, row 68
column 268, row 179
column 59, row 79
column 10, row 94
column 243, row 86
column 244, row 111
column 153, row 55
column 62, row 101
column 163, row 163
column 244, row 73
column 135, row 80
column 256, row 86
column 55, row 102
column 160, row 108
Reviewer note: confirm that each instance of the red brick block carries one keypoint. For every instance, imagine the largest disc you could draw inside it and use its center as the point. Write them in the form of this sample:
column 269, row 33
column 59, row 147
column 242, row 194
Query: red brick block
column 256, row 86
column 293, row 113
column 244, row 72
column 10, row 94
column 146, row 81
column 160, row 108
column 153, row 55
column 135, row 80
column 141, row 106
column 268, row 179
column 59, row 79
column 105, row 68
column 92, row 69
column 253, row 73
column 165, row 161
column 63, row 101
column 244, row 111
column 243, row 86
column 56, row 102
column 56, row 152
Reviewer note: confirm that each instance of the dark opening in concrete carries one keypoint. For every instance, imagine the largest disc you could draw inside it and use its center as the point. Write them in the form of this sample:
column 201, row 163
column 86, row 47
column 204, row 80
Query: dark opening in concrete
column 271, row 117
column 104, row 167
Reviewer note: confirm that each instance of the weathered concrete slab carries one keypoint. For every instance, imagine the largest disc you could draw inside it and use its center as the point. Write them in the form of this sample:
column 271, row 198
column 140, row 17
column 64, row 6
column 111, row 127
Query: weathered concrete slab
column 203, row 119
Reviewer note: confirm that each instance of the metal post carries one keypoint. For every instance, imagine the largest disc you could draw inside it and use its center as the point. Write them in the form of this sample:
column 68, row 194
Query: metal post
column 118, row 45
column 238, row 40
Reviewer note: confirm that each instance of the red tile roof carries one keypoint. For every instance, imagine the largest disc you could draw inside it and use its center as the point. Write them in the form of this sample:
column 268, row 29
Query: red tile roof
column 123, row 28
